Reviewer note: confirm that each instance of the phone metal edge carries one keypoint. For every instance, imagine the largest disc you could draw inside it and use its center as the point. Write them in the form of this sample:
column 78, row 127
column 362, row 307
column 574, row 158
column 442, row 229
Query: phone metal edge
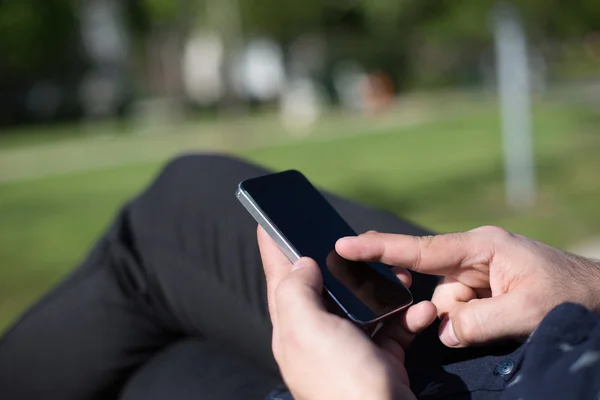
column 256, row 212
column 292, row 254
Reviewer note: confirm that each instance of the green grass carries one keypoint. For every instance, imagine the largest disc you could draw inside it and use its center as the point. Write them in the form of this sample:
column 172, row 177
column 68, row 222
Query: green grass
column 444, row 173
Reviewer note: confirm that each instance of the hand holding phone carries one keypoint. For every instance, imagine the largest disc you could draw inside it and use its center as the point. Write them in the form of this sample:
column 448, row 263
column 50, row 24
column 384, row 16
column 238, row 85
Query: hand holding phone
column 322, row 356
column 303, row 224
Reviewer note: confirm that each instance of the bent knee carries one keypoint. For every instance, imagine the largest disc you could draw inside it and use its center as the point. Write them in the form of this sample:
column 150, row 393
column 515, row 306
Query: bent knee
column 202, row 163
column 205, row 174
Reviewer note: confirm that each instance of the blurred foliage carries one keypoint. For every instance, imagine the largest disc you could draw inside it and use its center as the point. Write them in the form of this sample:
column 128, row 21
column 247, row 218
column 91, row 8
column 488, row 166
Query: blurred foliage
column 470, row 20
column 161, row 11
column 36, row 36
column 416, row 42
column 31, row 29
column 284, row 22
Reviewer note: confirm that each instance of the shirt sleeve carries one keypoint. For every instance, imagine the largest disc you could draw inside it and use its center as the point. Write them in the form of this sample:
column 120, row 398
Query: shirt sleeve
column 561, row 358
column 279, row 393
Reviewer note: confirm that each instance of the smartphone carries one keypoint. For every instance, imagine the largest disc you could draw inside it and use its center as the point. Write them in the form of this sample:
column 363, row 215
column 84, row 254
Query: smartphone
column 304, row 224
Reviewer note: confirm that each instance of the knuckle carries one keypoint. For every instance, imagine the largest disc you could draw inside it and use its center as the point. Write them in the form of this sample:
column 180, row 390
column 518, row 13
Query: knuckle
column 494, row 231
column 467, row 328
column 338, row 327
column 281, row 292
column 455, row 237
column 370, row 233
column 293, row 341
column 422, row 242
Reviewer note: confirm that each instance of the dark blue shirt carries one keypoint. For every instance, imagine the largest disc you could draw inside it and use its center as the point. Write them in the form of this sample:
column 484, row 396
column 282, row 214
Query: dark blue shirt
column 560, row 360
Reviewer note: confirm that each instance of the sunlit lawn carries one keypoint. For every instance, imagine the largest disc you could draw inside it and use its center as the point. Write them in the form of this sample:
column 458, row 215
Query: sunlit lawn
column 445, row 174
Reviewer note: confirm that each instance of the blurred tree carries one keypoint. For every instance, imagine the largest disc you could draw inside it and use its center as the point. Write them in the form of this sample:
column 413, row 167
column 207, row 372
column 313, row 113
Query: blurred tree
column 397, row 36
column 282, row 21
column 40, row 40
column 37, row 37
column 465, row 19
column 40, row 59
column 449, row 42
column 163, row 12
column 160, row 29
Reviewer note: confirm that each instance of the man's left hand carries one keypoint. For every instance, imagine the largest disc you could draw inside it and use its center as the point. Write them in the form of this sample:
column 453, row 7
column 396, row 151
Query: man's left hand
column 323, row 356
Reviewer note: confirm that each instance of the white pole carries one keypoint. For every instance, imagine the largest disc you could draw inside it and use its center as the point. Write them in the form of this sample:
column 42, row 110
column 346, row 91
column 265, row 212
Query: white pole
column 515, row 107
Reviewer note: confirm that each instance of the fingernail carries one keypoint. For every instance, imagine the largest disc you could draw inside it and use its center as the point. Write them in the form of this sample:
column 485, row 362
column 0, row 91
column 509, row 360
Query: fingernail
column 448, row 336
column 298, row 264
column 347, row 239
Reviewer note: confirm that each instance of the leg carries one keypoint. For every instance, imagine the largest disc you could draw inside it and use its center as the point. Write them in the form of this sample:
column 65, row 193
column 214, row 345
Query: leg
column 181, row 260
column 212, row 234
column 85, row 337
column 198, row 369
column 120, row 307
column 208, row 240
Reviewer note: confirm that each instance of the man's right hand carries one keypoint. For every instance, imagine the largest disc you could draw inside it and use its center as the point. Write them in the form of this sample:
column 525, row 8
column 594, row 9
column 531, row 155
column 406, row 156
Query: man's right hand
column 497, row 285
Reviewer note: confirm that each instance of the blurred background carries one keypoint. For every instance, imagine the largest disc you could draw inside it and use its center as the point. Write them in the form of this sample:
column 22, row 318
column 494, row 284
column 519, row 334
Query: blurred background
column 452, row 114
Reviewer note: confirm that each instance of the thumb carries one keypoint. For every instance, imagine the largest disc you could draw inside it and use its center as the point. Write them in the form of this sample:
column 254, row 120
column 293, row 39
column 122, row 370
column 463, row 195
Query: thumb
column 482, row 321
column 299, row 294
column 306, row 272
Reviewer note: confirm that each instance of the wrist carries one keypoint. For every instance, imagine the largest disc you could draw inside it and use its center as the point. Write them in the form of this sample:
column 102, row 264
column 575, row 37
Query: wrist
column 594, row 286
column 586, row 274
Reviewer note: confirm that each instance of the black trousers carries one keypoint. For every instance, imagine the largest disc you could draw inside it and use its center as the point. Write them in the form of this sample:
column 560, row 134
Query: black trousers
column 171, row 302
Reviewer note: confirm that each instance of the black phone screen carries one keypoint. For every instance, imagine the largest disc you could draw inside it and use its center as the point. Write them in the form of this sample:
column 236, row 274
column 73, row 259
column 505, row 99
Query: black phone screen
column 367, row 291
